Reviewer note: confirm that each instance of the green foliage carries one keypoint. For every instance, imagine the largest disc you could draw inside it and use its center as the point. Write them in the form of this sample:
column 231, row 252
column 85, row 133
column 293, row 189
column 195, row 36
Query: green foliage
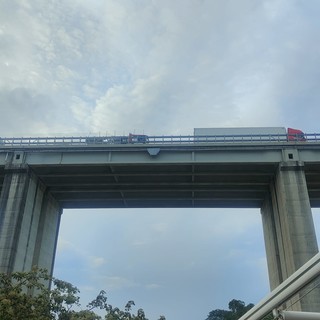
column 25, row 295
column 84, row 315
column 115, row 313
column 237, row 308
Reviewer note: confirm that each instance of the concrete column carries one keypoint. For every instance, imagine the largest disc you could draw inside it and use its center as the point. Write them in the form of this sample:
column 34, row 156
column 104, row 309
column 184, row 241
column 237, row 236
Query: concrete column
column 289, row 232
column 29, row 221
column 47, row 235
column 270, row 221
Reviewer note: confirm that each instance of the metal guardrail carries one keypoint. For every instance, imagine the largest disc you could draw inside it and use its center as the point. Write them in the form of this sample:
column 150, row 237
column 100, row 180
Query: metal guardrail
column 188, row 139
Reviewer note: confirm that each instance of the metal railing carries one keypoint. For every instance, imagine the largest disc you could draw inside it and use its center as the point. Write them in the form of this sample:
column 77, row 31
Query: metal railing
column 176, row 139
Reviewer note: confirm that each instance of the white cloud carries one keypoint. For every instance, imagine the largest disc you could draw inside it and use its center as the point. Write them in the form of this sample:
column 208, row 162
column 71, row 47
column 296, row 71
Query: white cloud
column 112, row 283
column 160, row 227
column 139, row 243
column 97, row 262
column 153, row 286
column 175, row 79
column 177, row 73
column 64, row 245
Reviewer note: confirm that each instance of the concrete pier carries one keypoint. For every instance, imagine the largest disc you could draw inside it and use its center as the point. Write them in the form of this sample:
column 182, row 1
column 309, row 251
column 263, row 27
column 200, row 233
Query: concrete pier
column 29, row 221
column 289, row 230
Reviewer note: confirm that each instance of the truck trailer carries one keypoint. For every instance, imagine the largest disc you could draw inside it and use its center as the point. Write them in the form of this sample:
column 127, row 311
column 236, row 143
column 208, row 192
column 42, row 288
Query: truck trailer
column 248, row 133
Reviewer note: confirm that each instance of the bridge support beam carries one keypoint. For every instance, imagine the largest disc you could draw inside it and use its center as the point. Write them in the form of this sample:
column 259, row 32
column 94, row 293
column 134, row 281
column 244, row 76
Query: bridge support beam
column 289, row 232
column 29, row 222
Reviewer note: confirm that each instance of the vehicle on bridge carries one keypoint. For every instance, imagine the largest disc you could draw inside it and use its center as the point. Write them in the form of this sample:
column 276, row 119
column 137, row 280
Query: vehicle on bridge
column 131, row 138
column 248, row 134
column 295, row 135
column 240, row 135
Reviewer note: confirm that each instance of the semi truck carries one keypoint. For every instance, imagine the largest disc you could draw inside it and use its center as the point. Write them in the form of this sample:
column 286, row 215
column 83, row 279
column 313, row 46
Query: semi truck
column 249, row 133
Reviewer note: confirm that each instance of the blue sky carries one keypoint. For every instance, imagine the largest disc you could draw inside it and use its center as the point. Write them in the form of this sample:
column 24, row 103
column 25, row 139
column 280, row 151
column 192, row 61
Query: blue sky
column 77, row 67
column 179, row 262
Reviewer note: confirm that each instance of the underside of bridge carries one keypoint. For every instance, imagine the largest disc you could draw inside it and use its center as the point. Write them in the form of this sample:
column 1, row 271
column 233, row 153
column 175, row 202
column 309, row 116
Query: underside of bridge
column 168, row 185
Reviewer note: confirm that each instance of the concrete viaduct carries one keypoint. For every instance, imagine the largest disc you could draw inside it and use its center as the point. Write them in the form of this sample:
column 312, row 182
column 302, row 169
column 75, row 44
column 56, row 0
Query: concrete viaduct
column 38, row 179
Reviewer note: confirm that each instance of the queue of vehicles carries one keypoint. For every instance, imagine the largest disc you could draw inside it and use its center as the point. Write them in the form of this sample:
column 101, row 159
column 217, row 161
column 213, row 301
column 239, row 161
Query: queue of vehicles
column 200, row 135
column 216, row 135
column 131, row 138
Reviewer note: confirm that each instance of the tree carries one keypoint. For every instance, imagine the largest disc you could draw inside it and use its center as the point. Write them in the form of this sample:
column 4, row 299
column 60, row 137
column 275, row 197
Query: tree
column 115, row 313
column 84, row 315
column 25, row 295
column 237, row 308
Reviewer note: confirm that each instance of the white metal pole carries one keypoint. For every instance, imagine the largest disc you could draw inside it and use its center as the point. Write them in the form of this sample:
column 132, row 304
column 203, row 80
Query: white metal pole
column 299, row 315
column 286, row 289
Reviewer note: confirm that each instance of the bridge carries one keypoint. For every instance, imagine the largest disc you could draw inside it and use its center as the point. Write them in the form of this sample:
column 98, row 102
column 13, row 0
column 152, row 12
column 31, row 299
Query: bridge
column 39, row 177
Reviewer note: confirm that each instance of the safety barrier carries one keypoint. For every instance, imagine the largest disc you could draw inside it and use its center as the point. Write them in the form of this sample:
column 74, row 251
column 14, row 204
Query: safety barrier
column 177, row 139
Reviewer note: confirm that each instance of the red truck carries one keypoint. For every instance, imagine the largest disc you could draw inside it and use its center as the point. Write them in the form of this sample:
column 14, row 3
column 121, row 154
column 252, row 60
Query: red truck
column 295, row 135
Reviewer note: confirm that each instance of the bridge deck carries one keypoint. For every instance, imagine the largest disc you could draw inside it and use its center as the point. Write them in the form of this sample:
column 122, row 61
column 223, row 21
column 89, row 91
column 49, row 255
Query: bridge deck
column 197, row 175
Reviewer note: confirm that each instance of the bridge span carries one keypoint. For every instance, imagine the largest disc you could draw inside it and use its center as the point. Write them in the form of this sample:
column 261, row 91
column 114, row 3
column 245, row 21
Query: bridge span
column 38, row 180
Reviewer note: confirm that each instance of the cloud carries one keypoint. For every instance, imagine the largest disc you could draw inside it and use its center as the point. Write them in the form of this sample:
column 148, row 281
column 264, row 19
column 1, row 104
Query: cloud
column 112, row 283
column 139, row 243
column 97, row 262
column 44, row 61
column 160, row 227
column 184, row 64
column 64, row 245
column 153, row 286
column 77, row 250
column 20, row 104
column 178, row 73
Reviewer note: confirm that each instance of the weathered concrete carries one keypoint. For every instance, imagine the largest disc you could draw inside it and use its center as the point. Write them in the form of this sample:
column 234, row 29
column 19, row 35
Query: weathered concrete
column 47, row 233
column 29, row 221
column 289, row 232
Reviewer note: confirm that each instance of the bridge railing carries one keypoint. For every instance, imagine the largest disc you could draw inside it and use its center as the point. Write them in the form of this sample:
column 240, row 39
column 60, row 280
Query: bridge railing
column 175, row 139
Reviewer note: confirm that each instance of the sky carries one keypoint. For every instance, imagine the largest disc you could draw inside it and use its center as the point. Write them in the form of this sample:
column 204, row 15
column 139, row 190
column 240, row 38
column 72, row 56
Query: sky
column 160, row 67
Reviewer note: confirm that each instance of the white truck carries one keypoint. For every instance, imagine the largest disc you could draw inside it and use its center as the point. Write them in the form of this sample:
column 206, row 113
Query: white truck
column 248, row 134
